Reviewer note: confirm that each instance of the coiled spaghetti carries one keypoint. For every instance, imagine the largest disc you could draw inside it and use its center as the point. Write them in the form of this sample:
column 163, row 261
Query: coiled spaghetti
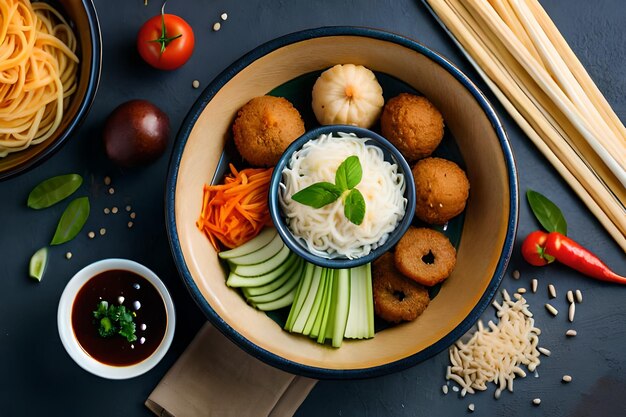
column 326, row 231
column 38, row 67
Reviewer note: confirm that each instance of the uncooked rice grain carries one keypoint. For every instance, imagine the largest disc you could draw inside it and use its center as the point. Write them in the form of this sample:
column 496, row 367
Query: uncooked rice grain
column 572, row 311
column 571, row 333
column 551, row 309
column 521, row 290
column 534, row 285
column 552, row 291
column 444, row 388
column 544, row 351
column 579, row 296
column 516, row 274
column 570, row 296
column 567, row 378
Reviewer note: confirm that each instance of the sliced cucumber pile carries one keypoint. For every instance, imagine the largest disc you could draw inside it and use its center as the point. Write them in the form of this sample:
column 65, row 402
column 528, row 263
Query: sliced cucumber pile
column 326, row 304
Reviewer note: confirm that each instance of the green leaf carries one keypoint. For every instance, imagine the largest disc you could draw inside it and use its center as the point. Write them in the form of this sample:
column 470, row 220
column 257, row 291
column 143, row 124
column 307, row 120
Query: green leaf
column 101, row 311
column 106, row 328
column 72, row 221
column 318, row 195
column 349, row 173
column 127, row 330
column 546, row 212
column 53, row 190
column 354, row 207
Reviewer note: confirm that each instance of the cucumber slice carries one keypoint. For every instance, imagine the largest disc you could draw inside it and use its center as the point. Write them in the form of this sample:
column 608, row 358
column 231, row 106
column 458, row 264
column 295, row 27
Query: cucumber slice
column 330, row 285
column 253, row 245
column 264, row 267
column 38, row 262
column 341, row 309
column 294, row 261
column 284, row 301
column 303, row 314
column 301, row 293
column 261, row 255
column 369, row 300
column 290, row 285
column 235, row 280
column 356, row 306
column 317, row 324
column 317, row 303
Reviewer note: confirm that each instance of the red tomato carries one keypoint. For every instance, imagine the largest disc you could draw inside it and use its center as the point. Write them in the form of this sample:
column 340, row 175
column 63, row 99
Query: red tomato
column 533, row 249
column 165, row 49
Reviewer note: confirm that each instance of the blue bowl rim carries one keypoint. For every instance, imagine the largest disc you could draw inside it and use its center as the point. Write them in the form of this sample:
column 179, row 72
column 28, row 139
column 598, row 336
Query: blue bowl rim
column 271, row 358
column 95, row 35
column 292, row 242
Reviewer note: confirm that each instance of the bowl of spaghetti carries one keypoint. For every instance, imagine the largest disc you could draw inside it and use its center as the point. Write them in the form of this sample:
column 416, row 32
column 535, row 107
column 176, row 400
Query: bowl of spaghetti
column 326, row 235
column 49, row 75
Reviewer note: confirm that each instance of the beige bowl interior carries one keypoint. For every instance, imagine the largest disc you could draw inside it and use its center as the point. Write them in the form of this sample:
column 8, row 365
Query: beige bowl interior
column 486, row 218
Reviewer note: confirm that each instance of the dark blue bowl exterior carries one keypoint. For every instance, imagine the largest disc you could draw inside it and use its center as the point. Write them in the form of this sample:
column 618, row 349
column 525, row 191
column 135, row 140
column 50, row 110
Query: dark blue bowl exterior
column 95, row 65
column 294, row 243
column 265, row 355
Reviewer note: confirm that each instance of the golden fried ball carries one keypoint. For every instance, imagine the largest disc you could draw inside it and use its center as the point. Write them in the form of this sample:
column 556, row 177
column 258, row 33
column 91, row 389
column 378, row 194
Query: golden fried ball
column 413, row 124
column 441, row 190
column 264, row 128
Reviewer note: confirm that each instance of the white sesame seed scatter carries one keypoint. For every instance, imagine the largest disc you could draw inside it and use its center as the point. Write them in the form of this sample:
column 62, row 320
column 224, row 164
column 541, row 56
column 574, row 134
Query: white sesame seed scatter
column 68, row 255
column 142, row 340
column 572, row 312
column 91, row 235
column 114, row 210
column 133, row 215
column 571, row 333
column 103, row 231
column 130, row 224
column 552, row 310
column 195, row 84
column 516, row 274
column 111, row 190
column 106, row 210
column 497, row 394
column 107, row 180
column 570, row 296
column 455, row 388
column 521, row 290
column 471, row 407
column 120, row 299
column 534, row 285
column 143, row 326
column 579, row 296
column 136, row 305
column 224, row 17
column 132, row 346
column 217, row 26
column 544, row 351
column 136, row 286
column 537, row 401
column 128, row 208
column 567, row 378
column 552, row 291
column 444, row 389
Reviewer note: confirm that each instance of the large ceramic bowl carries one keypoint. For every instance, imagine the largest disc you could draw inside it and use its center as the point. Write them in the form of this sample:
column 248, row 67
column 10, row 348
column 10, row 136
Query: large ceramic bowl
column 474, row 138
column 83, row 18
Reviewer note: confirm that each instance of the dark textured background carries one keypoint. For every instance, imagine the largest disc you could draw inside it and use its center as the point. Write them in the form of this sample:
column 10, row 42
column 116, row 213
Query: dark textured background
column 37, row 377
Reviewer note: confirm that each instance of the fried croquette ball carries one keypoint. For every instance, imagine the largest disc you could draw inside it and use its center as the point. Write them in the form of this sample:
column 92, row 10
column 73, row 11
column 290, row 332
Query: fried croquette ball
column 441, row 190
column 425, row 255
column 413, row 124
column 349, row 95
column 396, row 298
column 264, row 128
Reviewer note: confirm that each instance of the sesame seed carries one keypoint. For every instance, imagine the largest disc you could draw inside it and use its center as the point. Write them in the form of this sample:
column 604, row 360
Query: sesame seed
column 570, row 296
column 114, row 210
column 567, row 378
column 444, row 388
column 516, row 274
column 552, row 291
column 537, row 401
column 572, row 311
column 497, row 394
column 142, row 340
column 471, row 407
column 517, row 296
column 217, row 26
column 552, row 310
column 534, row 285
column 521, row 290
column 579, row 296
column 107, row 210
column 455, row 388
column 136, row 305
column 130, row 224
column 224, row 16
column 128, row 208
column 91, row 235
column 195, row 84
column 544, row 351
column 133, row 215
column 68, row 255
column 103, row 231
column 143, row 326
column 571, row 333
column 107, row 180
column 111, row 190
column 120, row 299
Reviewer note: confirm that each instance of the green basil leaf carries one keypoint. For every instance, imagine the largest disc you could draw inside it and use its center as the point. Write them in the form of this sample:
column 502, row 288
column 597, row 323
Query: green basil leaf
column 546, row 212
column 53, row 190
column 354, row 207
column 72, row 221
column 349, row 173
column 318, row 195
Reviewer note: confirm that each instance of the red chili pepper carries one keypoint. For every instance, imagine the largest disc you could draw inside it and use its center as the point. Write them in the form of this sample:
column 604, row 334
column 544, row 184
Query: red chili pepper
column 570, row 253
column 533, row 249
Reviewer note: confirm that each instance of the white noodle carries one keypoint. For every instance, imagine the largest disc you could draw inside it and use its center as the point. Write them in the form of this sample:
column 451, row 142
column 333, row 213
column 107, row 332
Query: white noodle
column 326, row 230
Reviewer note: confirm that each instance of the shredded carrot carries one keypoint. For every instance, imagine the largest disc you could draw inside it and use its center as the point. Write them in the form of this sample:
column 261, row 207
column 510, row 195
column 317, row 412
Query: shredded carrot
column 236, row 211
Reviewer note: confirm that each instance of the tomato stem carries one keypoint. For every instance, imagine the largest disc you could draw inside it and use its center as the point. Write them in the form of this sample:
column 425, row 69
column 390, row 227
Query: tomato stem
column 164, row 40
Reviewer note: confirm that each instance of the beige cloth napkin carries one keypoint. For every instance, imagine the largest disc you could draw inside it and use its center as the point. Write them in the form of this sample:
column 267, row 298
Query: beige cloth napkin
column 215, row 378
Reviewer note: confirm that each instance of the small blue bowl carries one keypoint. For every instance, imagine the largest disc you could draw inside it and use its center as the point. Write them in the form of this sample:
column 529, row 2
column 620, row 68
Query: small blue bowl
column 295, row 243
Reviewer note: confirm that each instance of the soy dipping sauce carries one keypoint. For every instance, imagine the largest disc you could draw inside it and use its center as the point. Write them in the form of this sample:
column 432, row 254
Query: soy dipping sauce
column 138, row 295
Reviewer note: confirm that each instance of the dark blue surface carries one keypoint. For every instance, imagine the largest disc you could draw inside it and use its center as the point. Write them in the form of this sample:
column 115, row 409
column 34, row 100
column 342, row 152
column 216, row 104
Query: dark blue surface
column 39, row 378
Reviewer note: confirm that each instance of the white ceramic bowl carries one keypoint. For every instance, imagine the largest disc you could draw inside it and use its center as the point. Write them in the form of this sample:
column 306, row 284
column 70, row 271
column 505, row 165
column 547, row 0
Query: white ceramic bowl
column 70, row 342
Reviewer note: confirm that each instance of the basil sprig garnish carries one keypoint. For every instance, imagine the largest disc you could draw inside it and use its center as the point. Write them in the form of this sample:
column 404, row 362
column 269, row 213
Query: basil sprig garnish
column 546, row 212
column 72, row 221
column 53, row 190
column 348, row 176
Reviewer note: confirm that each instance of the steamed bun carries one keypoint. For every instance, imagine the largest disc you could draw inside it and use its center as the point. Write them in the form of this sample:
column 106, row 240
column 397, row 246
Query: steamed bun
column 347, row 94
